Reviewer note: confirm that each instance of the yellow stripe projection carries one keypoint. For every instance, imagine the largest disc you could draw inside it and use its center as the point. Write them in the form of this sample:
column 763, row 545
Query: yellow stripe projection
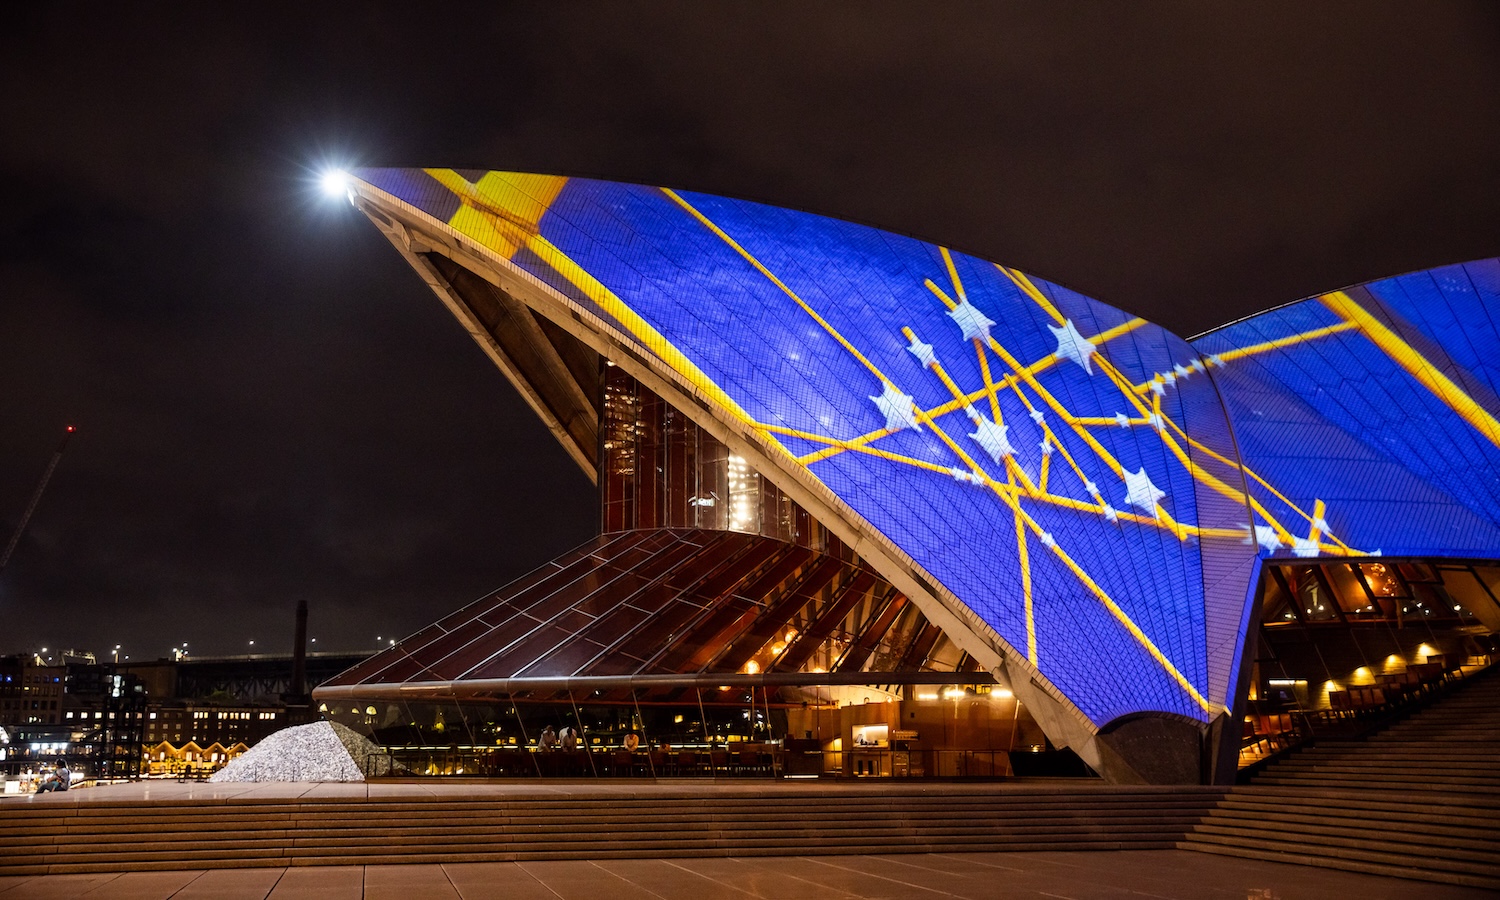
column 1415, row 364
column 1031, row 290
column 968, row 461
column 502, row 211
column 1012, row 499
column 1025, row 584
column 853, row 351
column 1009, row 380
column 1229, row 356
column 857, row 448
column 1120, row 615
column 1316, row 534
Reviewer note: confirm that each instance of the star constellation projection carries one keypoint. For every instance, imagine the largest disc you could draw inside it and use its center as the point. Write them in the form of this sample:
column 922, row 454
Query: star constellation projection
column 1065, row 470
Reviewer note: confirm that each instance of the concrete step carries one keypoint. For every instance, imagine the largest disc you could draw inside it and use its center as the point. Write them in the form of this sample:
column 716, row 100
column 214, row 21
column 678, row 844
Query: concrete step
column 1368, row 764
column 147, row 836
column 160, row 817
column 540, row 855
column 1419, row 863
column 1426, row 816
column 1387, row 869
column 1417, row 756
column 727, row 828
column 375, row 807
column 582, row 846
column 786, row 837
column 1454, row 827
column 1476, row 847
column 1359, row 783
column 1375, row 775
column 1419, row 799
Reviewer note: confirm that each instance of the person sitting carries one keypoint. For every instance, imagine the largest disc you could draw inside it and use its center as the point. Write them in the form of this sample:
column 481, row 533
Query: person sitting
column 60, row 780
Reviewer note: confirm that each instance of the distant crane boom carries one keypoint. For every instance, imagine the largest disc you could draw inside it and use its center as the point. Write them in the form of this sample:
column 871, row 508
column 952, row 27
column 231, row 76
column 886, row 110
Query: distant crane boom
column 36, row 497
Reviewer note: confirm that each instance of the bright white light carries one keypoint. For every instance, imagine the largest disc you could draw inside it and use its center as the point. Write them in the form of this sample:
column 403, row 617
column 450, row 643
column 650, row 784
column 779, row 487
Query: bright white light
column 335, row 182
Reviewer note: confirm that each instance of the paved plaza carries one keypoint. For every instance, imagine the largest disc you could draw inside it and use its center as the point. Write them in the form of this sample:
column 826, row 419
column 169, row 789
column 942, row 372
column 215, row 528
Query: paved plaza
column 1166, row 874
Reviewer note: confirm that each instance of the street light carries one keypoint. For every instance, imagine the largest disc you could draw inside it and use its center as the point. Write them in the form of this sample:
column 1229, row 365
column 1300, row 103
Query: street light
column 335, row 182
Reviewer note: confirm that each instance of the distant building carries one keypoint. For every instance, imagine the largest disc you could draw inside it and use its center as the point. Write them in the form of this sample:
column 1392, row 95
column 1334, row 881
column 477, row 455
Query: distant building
column 174, row 717
column 85, row 711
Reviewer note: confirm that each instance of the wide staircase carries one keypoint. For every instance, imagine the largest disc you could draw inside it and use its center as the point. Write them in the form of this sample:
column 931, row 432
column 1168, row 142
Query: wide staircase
column 112, row 837
column 1419, row 799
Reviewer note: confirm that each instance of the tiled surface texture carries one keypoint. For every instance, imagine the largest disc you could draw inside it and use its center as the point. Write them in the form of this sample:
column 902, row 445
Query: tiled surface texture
column 1163, row 874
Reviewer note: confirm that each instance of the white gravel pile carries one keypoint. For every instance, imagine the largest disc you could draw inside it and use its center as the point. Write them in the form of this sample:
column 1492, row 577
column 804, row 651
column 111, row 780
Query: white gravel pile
column 301, row 753
column 367, row 755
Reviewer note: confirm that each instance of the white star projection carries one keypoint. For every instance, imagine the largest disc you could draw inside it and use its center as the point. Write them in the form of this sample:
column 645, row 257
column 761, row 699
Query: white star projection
column 1267, row 538
column 1078, row 438
column 992, row 438
column 1052, row 484
column 897, row 409
column 965, row 475
column 1073, row 345
column 1141, row 493
column 923, row 353
column 974, row 324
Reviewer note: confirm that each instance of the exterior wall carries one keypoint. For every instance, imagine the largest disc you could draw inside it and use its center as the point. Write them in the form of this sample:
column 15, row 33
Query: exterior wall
column 1051, row 480
column 793, row 373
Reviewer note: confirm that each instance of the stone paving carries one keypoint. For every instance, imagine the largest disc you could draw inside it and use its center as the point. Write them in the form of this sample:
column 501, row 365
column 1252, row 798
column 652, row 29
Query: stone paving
column 1162, row 874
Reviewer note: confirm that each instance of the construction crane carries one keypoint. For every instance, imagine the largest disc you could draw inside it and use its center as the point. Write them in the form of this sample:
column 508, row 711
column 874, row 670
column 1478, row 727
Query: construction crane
column 36, row 497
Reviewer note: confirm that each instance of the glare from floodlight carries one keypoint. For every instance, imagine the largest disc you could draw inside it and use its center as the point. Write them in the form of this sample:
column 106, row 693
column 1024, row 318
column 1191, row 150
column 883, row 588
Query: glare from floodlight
column 336, row 182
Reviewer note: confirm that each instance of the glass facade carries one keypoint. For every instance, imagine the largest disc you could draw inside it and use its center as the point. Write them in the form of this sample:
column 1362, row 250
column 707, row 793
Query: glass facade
column 704, row 571
column 660, row 470
column 1343, row 645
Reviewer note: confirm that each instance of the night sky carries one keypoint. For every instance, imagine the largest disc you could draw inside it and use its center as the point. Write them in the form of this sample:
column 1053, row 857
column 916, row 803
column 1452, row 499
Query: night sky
column 271, row 407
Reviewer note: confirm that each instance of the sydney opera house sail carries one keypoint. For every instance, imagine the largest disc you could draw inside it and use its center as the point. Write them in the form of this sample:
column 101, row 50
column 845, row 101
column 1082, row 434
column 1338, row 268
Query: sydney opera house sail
column 1078, row 503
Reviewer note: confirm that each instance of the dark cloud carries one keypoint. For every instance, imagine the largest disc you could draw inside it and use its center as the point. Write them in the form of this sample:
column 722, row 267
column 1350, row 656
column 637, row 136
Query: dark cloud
column 272, row 407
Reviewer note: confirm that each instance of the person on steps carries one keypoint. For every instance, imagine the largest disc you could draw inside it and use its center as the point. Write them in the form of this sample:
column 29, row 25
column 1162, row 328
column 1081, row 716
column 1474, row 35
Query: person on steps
column 60, row 780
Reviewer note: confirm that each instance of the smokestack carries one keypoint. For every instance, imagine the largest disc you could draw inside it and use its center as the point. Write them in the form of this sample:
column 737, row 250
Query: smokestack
column 299, row 653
